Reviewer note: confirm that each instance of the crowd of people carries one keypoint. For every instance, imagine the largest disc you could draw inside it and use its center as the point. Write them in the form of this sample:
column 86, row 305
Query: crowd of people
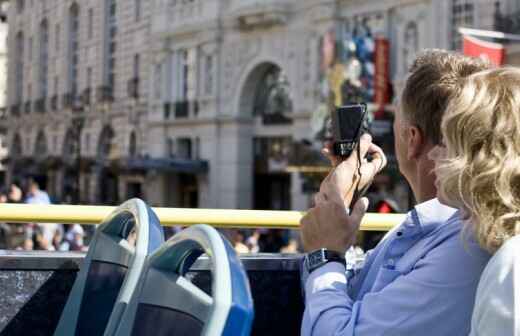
column 36, row 236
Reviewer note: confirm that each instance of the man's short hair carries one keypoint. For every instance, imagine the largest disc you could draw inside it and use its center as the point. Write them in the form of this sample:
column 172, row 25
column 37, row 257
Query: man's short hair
column 433, row 79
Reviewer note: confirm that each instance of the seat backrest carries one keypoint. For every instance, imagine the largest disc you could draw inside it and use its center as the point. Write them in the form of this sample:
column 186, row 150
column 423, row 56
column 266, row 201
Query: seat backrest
column 111, row 269
column 167, row 303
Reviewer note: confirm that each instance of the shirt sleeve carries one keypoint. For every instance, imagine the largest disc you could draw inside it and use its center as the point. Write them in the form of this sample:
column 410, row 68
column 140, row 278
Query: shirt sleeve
column 435, row 298
column 497, row 303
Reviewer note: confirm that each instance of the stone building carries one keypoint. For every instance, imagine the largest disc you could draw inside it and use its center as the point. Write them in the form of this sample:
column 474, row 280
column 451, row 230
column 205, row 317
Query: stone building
column 206, row 103
column 78, row 82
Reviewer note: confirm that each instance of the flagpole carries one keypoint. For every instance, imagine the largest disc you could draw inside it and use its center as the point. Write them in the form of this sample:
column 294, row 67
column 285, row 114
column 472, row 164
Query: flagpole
column 489, row 33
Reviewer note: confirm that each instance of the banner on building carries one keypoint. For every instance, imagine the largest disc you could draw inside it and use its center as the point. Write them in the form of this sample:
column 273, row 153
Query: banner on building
column 382, row 75
column 491, row 51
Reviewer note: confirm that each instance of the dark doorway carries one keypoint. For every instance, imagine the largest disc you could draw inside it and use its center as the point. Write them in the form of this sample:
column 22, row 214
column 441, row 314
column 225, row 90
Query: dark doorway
column 108, row 185
column 189, row 191
column 272, row 191
column 134, row 190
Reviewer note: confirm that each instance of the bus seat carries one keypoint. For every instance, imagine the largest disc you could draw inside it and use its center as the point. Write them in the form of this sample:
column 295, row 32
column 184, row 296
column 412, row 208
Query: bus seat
column 167, row 303
column 110, row 270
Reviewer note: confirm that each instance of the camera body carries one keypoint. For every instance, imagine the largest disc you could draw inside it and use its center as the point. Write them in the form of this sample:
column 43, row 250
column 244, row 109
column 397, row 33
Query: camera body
column 348, row 123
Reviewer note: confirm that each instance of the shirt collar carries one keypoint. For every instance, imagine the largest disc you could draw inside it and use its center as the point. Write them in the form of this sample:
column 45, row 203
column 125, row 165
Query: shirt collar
column 429, row 215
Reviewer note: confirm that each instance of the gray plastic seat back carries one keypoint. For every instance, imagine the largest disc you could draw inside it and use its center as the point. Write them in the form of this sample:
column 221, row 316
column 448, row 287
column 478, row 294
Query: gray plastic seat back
column 111, row 269
column 166, row 303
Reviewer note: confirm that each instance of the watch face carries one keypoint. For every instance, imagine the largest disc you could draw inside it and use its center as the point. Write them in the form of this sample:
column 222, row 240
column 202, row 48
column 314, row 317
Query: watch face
column 316, row 258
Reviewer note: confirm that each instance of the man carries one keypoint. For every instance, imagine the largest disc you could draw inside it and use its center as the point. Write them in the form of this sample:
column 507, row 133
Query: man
column 422, row 278
column 44, row 232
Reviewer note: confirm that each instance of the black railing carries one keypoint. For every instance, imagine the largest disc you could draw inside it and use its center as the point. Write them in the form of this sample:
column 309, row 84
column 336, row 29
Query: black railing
column 105, row 94
column 68, row 100
column 39, row 105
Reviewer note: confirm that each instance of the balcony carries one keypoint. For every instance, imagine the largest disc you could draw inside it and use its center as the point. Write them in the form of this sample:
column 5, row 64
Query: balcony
column 133, row 88
column 249, row 14
column 54, row 102
column 85, row 96
column 27, row 108
column 105, row 94
column 15, row 110
column 39, row 105
column 179, row 17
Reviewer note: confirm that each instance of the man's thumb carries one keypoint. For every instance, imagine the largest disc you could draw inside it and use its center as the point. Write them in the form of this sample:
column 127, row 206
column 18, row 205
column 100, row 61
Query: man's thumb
column 360, row 208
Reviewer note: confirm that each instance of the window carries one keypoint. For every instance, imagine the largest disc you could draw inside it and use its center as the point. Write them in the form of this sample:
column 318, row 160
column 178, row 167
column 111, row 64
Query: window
column 136, row 65
column 89, row 77
column 90, row 23
column 184, row 150
column 133, row 145
column 208, row 84
column 157, row 85
column 20, row 4
column 58, row 37
column 170, row 148
column 185, row 72
column 44, row 58
column 73, row 57
column 110, row 43
column 56, row 85
column 29, row 49
column 137, row 10
column 462, row 16
column 19, row 57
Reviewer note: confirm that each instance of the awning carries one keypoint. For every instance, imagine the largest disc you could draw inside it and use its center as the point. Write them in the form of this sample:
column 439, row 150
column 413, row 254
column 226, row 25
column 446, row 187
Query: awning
column 168, row 165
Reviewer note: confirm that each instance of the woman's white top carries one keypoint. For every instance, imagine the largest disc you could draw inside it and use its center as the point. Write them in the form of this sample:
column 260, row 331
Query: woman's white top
column 497, row 305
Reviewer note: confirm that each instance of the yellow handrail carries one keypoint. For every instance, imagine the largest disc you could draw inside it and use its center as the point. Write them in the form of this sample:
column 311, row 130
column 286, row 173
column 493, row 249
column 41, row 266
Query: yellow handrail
column 87, row 214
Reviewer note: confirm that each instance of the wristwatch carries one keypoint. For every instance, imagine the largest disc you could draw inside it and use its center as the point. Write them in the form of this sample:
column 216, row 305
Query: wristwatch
column 318, row 258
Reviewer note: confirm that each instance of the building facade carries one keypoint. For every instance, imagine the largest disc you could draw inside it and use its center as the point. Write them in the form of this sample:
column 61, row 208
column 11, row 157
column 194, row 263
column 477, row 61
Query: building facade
column 206, row 103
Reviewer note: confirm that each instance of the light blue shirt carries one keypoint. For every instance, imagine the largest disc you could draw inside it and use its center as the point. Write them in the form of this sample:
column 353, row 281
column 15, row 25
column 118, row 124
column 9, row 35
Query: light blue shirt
column 39, row 197
column 420, row 280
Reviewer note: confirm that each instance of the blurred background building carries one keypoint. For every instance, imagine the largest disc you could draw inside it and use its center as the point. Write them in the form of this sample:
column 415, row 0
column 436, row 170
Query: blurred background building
column 209, row 103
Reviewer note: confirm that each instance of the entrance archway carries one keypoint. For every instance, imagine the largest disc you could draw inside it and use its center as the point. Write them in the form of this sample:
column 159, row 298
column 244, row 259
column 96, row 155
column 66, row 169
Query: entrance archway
column 266, row 97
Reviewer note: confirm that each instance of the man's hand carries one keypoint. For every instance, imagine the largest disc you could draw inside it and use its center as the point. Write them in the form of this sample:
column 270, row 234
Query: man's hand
column 339, row 186
column 328, row 225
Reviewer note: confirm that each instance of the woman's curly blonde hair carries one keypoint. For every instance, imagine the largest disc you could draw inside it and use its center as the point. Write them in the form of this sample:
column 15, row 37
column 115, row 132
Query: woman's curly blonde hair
column 481, row 171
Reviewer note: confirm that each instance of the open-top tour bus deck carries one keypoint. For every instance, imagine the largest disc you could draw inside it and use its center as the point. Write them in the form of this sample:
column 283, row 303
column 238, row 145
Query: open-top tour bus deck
column 132, row 282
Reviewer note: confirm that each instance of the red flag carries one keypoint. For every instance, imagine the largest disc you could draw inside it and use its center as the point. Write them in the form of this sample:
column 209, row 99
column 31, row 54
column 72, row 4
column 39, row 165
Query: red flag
column 494, row 52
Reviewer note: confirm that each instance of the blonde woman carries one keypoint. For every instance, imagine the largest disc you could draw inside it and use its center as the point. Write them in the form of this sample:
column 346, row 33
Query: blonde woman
column 478, row 171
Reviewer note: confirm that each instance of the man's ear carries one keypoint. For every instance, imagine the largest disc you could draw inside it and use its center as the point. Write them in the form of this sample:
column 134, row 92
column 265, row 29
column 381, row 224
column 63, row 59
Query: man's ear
column 415, row 142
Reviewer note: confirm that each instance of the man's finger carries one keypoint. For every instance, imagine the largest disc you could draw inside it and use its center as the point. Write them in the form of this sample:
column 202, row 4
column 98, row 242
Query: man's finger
column 320, row 198
column 359, row 210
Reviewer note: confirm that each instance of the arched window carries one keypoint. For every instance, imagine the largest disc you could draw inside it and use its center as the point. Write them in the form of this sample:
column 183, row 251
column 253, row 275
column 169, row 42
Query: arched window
column 19, row 57
column 44, row 58
column 40, row 146
column 105, row 143
column 272, row 100
column 16, row 146
column 73, row 56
